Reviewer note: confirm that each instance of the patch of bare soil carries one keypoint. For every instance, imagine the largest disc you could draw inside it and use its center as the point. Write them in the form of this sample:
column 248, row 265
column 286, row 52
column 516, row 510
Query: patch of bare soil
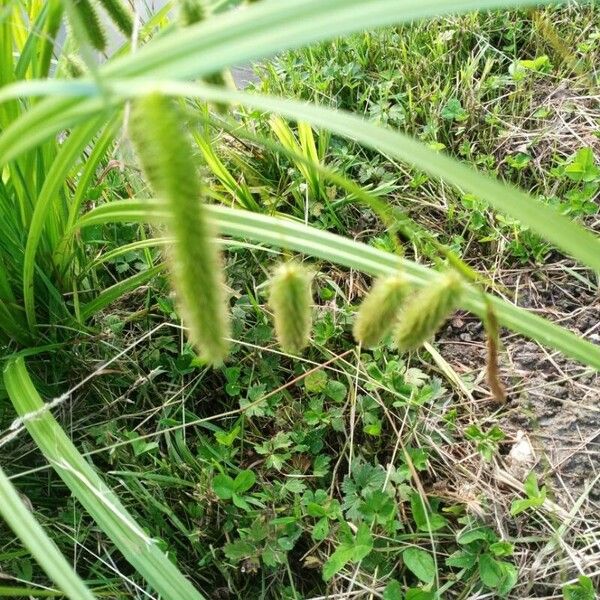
column 553, row 401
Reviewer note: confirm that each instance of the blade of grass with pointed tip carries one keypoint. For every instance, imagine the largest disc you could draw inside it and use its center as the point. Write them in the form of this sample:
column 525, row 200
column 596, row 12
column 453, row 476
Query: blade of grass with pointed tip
column 95, row 496
column 109, row 295
column 55, row 177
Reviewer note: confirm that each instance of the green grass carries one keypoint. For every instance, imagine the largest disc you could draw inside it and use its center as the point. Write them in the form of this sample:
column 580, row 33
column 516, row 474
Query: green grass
column 459, row 86
column 129, row 467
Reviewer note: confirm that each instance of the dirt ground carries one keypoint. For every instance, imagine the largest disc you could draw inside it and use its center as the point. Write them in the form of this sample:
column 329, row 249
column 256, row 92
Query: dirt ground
column 553, row 402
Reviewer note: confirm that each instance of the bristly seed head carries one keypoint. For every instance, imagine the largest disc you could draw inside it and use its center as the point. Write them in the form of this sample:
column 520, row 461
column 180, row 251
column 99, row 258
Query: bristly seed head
column 74, row 66
column 192, row 11
column 91, row 23
column 165, row 152
column 120, row 14
column 379, row 310
column 426, row 312
column 290, row 300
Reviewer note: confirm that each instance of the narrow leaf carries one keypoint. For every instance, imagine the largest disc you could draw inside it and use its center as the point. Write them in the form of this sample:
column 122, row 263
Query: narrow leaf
column 42, row 548
column 95, row 496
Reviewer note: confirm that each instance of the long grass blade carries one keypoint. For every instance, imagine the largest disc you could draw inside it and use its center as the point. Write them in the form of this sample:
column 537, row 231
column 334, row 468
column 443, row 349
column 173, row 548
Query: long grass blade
column 35, row 539
column 237, row 37
column 543, row 219
column 119, row 289
column 96, row 497
column 10, row 591
column 282, row 233
column 540, row 218
column 61, row 166
column 288, row 234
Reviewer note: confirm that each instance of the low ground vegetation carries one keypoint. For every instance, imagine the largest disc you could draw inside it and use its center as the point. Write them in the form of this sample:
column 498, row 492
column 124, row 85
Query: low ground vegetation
column 344, row 472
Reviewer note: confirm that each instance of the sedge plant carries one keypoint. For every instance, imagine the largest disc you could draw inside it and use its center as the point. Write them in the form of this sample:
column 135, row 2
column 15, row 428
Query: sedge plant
column 46, row 177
